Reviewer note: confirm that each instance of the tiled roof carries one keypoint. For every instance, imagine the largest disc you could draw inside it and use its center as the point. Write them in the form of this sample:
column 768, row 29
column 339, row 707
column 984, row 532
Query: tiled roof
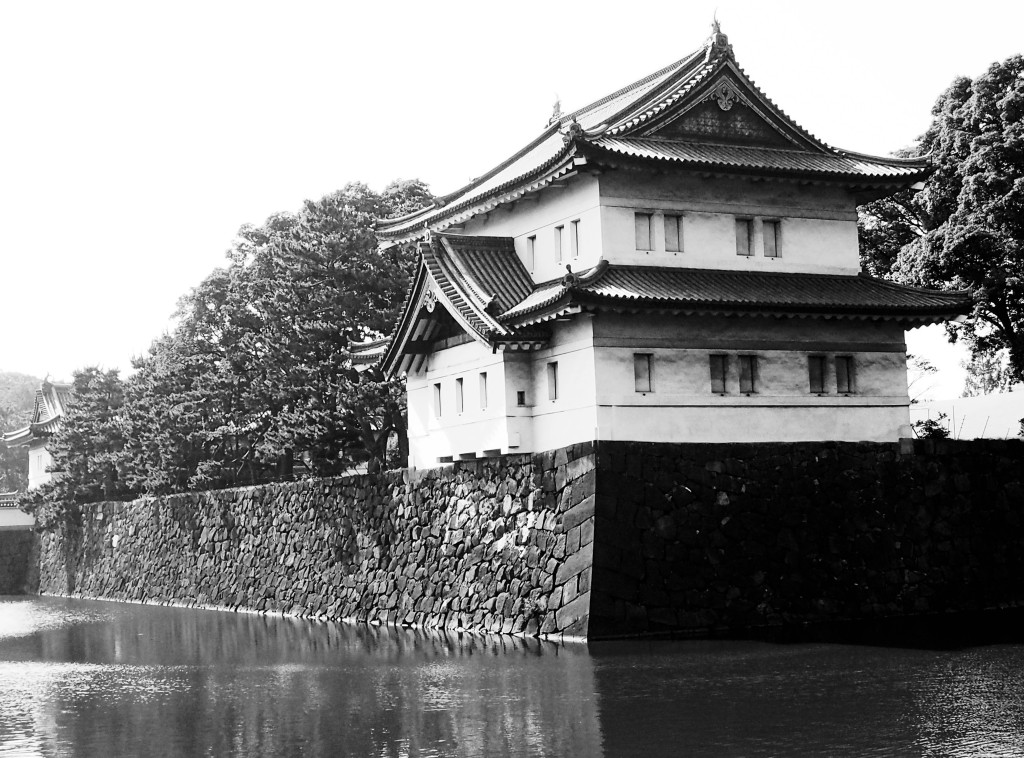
column 647, row 120
column 51, row 402
column 492, row 266
column 717, row 290
column 478, row 277
column 367, row 353
column 759, row 158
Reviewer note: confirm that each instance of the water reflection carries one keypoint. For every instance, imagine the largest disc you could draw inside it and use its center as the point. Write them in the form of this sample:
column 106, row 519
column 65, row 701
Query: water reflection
column 138, row 680
column 81, row 678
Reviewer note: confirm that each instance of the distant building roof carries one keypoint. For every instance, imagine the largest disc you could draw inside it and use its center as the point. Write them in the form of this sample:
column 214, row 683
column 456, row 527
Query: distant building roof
column 51, row 403
column 702, row 112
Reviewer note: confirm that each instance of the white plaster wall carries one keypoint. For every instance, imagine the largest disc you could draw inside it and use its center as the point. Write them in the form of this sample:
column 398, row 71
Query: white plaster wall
column 538, row 215
column 39, row 461
column 474, row 432
column 573, row 416
column 753, row 423
column 818, row 224
column 681, row 406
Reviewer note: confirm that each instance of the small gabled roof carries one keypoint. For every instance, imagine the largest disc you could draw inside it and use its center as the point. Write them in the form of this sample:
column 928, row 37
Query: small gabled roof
column 719, row 291
column 472, row 279
column 362, row 355
column 701, row 113
column 51, row 403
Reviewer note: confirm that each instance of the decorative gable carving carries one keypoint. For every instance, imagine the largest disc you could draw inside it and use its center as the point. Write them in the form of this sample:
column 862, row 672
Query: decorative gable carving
column 723, row 118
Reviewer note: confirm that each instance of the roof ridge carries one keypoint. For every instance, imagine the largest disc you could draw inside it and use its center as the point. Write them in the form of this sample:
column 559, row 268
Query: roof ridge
column 629, row 87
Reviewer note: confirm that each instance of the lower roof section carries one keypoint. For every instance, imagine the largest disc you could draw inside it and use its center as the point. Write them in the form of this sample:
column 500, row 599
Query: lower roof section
column 739, row 291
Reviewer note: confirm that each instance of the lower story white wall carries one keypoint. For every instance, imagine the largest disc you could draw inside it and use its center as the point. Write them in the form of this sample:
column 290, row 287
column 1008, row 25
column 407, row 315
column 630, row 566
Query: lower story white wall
column 753, row 423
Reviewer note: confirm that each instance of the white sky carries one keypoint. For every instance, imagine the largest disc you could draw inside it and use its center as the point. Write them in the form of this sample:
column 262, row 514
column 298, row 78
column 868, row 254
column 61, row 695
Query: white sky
column 137, row 137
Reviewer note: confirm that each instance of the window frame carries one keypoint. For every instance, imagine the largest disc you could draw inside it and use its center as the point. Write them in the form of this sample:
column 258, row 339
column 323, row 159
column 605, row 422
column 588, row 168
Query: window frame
column 847, row 373
column 559, row 235
column 483, row 390
column 437, row 399
column 747, row 225
column 574, row 238
column 460, row 396
column 552, row 375
column 748, row 373
column 643, row 369
column 821, row 362
column 719, row 383
column 531, row 252
column 775, row 225
column 637, row 216
column 675, row 222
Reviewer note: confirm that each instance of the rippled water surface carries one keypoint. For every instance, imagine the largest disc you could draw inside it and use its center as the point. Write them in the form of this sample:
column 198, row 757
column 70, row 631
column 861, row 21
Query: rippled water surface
column 84, row 678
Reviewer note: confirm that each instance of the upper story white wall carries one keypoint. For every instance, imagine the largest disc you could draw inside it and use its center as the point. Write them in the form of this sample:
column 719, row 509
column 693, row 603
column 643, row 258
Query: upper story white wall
column 538, row 216
column 817, row 224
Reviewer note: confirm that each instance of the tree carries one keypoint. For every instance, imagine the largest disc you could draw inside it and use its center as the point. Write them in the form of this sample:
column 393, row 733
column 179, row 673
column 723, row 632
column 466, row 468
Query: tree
column 86, row 451
column 965, row 229
column 256, row 373
column 986, row 373
column 17, row 396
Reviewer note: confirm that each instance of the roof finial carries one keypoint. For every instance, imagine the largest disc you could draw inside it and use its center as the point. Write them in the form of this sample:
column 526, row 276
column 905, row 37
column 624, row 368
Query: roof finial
column 717, row 43
column 556, row 112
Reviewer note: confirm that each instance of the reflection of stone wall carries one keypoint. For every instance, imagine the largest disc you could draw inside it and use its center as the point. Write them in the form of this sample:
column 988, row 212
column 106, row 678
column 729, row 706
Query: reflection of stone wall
column 178, row 682
column 18, row 574
column 703, row 537
column 498, row 544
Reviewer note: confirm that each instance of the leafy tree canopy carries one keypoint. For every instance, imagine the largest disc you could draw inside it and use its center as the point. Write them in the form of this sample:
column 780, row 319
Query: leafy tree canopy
column 965, row 229
column 17, row 397
column 86, row 450
column 256, row 373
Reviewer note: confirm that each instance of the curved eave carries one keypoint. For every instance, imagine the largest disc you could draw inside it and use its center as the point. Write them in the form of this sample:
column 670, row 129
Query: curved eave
column 570, row 303
column 531, row 181
column 18, row 437
column 614, row 158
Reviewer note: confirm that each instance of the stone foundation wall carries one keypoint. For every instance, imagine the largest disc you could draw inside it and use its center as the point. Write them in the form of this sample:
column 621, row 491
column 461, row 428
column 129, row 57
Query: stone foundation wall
column 19, row 561
column 498, row 544
column 736, row 536
column 616, row 539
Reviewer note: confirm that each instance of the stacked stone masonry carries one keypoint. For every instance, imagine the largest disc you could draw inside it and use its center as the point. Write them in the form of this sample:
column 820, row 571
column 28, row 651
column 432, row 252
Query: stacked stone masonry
column 500, row 545
column 19, row 558
column 618, row 539
column 740, row 536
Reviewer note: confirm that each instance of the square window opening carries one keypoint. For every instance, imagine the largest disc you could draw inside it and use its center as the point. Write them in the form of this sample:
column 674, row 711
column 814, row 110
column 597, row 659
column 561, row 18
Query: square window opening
column 553, row 380
column 770, row 231
column 642, row 371
column 719, row 367
column 674, row 234
column 520, row 398
column 816, row 374
column 748, row 374
column 844, row 375
column 644, row 238
column 744, row 237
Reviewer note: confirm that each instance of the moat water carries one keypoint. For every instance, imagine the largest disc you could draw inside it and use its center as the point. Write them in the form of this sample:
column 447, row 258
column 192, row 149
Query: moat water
column 82, row 678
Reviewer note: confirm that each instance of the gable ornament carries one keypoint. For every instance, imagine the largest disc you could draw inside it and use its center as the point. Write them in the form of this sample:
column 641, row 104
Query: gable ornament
column 430, row 300
column 725, row 95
